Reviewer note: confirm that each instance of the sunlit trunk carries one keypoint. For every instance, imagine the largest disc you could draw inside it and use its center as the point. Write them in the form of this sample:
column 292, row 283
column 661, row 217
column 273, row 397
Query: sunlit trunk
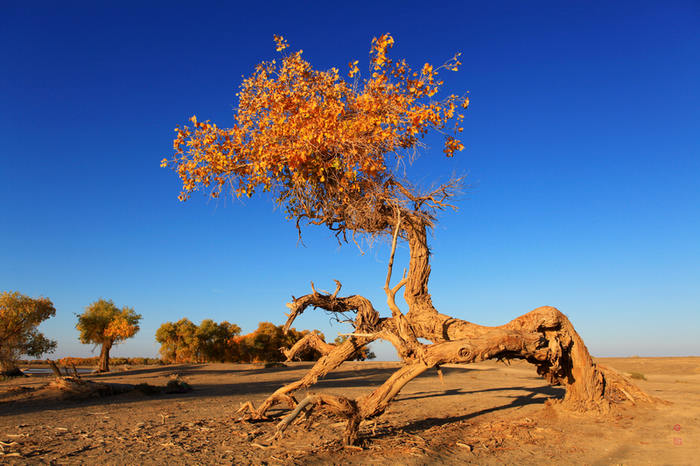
column 104, row 356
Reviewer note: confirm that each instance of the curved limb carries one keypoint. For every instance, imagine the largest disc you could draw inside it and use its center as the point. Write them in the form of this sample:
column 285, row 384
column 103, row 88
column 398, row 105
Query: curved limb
column 334, row 355
column 366, row 317
column 543, row 337
column 546, row 338
column 323, row 366
column 309, row 341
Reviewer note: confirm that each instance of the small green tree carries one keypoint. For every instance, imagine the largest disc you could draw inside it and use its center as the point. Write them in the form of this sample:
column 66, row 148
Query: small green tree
column 166, row 335
column 105, row 324
column 213, row 340
column 264, row 344
column 20, row 316
column 178, row 340
column 183, row 341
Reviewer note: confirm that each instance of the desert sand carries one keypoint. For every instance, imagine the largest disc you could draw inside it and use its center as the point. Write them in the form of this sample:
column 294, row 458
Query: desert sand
column 486, row 413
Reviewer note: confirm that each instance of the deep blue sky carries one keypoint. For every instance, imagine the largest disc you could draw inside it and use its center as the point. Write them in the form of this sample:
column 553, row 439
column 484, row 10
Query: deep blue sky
column 582, row 156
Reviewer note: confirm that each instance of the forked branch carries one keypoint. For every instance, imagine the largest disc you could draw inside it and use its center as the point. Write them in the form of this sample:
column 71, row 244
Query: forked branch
column 391, row 292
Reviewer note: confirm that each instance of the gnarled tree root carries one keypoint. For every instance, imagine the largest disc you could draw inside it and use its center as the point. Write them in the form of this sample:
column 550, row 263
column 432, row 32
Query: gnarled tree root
column 543, row 337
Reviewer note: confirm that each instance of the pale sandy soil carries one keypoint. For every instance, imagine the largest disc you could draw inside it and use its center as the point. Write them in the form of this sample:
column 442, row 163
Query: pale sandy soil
column 485, row 413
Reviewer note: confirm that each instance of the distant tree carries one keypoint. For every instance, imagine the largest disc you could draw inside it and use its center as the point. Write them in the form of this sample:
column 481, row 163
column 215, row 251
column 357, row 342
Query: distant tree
column 105, row 324
column 166, row 335
column 269, row 343
column 213, row 340
column 20, row 316
column 183, row 341
column 265, row 342
column 177, row 340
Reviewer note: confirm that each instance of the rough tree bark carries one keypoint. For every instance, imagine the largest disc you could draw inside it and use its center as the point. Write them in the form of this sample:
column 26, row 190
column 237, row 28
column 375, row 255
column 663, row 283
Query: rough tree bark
column 544, row 337
column 104, row 356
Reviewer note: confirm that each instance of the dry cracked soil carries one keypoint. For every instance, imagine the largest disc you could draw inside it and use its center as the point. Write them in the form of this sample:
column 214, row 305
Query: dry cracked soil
column 486, row 413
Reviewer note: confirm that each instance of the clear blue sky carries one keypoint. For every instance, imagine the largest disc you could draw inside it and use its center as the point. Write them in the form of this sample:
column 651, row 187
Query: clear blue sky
column 582, row 156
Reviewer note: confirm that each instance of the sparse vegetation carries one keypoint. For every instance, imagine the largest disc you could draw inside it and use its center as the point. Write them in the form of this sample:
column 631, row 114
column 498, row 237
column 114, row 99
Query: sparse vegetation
column 83, row 362
column 186, row 342
column 637, row 376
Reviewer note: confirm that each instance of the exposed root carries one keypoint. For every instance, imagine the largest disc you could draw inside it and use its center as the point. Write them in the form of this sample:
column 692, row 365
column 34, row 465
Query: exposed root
column 543, row 337
column 248, row 410
column 619, row 388
column 338, row 405
column 334, row 355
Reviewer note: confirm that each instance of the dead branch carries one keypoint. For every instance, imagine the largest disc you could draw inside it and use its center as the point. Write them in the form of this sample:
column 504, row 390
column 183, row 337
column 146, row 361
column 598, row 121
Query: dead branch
column 366, row 317
column 338, row 285
column 339, row 354
column 309, row 341
column 338, row 405
column 54, row 368
column 391, row 292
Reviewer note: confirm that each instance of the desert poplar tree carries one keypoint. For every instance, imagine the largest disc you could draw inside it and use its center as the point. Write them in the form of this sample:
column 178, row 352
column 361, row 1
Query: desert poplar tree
column 104, row 324
column 334, row 149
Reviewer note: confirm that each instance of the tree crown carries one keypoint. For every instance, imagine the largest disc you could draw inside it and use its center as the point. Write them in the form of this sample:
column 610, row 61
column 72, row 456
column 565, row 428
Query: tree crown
column 327, row 147
column 20, row 316
column 103, row 321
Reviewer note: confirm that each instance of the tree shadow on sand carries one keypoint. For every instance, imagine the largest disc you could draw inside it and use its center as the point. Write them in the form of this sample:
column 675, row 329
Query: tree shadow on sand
column 230, row 385
column 535, row 395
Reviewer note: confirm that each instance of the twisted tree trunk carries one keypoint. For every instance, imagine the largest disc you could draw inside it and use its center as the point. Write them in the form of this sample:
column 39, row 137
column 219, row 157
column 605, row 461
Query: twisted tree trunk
column 543, row 337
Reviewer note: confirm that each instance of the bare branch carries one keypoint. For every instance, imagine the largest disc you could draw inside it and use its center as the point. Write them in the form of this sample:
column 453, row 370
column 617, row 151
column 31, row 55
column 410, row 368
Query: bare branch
column 338, row 285
column 284, row 423
column 393, row 249
column 398, row 286
column 391, row 293
column 366, row 317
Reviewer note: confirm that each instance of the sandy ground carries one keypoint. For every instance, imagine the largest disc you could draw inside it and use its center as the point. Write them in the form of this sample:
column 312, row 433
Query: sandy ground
column 484, row 413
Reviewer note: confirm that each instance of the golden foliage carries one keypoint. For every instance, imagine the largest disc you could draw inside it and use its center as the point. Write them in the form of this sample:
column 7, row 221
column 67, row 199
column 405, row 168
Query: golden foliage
column 317, row 141
column 20, row 317
column 103, row 322
column 120, row 329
